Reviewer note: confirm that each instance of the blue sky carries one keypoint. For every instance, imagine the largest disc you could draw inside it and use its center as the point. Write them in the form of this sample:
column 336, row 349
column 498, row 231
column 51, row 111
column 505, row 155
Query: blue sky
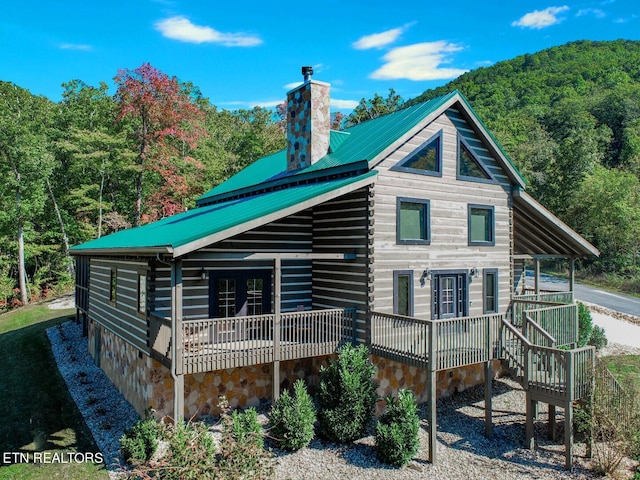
column 247, row 53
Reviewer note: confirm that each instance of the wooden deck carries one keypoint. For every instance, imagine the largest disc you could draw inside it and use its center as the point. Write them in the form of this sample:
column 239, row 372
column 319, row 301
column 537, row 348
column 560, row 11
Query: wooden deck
column 221, row 343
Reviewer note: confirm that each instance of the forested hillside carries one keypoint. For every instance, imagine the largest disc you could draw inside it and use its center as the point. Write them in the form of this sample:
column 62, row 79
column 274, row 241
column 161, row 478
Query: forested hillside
column 95, row 163
column 569, row 117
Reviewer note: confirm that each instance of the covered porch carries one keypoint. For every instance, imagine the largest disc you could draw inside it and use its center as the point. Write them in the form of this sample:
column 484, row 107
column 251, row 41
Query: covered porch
column 234, row 315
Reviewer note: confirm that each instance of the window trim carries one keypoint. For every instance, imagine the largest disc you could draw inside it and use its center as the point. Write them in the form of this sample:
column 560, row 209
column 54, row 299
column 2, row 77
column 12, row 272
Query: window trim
column 400, row 166
column 463, row 142
column 113, row 286
column 142, row 312
column 410, row 294
column 496, row 284
column 482, row 243
column 427, row 221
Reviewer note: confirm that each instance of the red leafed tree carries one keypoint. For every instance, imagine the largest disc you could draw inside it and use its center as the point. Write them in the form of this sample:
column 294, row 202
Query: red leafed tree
column 165, row 122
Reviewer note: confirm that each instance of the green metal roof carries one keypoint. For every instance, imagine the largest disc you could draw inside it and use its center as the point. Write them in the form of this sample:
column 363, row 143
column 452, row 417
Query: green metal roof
column 176, row 233
column 360, row 142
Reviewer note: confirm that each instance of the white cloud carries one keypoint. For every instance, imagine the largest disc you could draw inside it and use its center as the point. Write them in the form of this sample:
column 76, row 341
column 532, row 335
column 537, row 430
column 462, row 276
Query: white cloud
column 378, row 40
column 343, row 104
column 181, row 28
column 292, row 85
column 75, row 46
column 596, row 12
column 540, row 18
column 266, row 103
column 421, row 61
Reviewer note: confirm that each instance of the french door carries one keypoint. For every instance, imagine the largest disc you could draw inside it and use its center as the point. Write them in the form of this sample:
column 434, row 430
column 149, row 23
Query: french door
column 239, row 293
column 449, row 294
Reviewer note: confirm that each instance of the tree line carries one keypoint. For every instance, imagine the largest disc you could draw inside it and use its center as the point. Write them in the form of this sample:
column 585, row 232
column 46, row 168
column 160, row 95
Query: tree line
column 95, row 163
column 569, row 118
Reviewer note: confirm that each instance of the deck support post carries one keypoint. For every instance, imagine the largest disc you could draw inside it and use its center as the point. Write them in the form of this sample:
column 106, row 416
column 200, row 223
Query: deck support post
column 568, row 435
column 488, row 406
column 552, row 422
column 536, row 275
column 529, row 438
column 177, row 353
column 431, row 392
column 277, row 284
column 572, row 273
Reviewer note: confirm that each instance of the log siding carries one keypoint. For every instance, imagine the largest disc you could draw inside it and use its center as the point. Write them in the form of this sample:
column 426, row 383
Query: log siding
column 449, row 198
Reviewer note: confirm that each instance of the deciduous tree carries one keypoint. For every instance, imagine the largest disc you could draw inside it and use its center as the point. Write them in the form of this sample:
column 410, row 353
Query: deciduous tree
column 164, row 121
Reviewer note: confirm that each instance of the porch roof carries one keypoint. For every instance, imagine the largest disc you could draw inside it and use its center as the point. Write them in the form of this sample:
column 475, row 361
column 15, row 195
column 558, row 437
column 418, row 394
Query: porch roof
column 539, row 233
column 186, row 232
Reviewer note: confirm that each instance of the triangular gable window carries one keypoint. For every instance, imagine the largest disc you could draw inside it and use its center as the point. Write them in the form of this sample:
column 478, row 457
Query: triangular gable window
column 426, row 160
column 469, row 166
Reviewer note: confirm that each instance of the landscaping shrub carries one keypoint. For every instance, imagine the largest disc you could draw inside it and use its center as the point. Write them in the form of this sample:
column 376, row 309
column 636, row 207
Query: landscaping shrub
column 293, row 417
column 139, row 443
column 346, row 395
column 242, row 455
column 598, row 338
column 397, row 430
column 191, row 454
column 585, row 324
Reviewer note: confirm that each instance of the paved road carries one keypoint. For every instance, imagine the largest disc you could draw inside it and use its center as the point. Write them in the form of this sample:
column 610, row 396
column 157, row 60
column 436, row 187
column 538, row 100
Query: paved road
column 586, row 293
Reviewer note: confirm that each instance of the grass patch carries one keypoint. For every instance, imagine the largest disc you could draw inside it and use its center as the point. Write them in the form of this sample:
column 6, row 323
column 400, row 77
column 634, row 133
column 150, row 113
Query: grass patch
column 626, row 369
column 38, row 413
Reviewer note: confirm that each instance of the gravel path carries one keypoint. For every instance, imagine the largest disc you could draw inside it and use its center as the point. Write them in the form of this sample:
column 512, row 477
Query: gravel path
column 462, row 452
column 105, row 410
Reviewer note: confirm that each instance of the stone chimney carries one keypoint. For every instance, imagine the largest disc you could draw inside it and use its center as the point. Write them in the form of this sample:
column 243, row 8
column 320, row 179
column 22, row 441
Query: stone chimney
column 308, row 122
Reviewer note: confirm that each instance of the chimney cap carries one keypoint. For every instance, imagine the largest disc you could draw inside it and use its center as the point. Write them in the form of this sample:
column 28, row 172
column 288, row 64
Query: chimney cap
column 307, row 72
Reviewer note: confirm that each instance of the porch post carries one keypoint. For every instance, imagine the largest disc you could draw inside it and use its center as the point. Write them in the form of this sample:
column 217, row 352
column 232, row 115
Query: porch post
column 530, row 411
column 431, row 391
column 536, row 270
column 277, row 267
column 488, row 407
column 176, row 325
column 488, row 380
column 572, row 273
column 568, row 435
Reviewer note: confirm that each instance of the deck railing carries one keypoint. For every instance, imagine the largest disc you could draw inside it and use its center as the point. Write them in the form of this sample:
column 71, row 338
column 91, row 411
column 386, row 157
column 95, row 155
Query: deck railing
column 457, row 341
column 547, row 296
column 522, row 303
column 537, row 335
column 546, row 370
column 560, row 321
column 160, row 338
column 220, row 343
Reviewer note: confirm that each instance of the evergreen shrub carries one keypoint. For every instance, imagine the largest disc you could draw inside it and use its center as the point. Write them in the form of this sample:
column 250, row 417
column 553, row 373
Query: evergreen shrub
column 346, row 395
column 293, row 418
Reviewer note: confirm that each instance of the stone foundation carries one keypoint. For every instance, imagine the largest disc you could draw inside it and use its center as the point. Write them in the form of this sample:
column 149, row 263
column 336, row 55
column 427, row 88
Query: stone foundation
column 145, row 382
column 393, row 376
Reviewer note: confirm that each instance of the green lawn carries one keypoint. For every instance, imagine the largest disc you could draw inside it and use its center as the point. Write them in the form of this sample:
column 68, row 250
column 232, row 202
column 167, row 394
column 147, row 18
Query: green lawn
column 37, row 412
column 626, row 369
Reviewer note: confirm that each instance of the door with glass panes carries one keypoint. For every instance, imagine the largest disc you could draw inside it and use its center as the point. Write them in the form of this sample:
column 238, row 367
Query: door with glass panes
column 449, row 295
column 238, row 294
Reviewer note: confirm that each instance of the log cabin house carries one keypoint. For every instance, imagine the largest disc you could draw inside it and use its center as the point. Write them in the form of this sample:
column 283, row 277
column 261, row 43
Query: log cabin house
column 408, row 233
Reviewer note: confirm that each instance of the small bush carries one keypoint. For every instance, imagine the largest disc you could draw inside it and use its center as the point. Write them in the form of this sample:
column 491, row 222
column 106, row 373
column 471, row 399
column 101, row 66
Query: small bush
column 191, row 454
column 598, row 338
column 242, row 455
column 585, row 325
column 139, row 443
column 293, row 417
column 397, row 430
column 346, row 395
